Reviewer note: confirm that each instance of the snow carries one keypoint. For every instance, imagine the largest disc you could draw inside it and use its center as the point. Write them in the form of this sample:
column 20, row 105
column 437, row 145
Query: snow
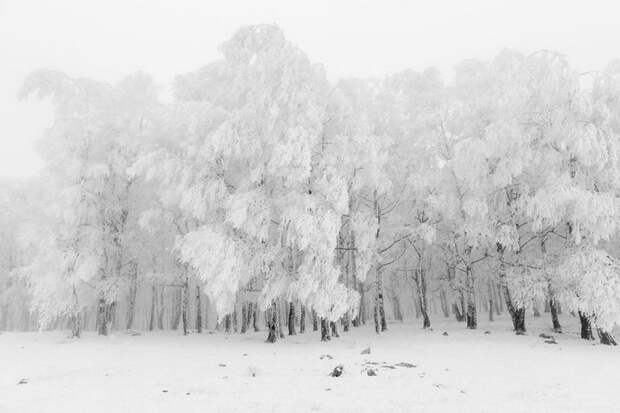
column 463, row 371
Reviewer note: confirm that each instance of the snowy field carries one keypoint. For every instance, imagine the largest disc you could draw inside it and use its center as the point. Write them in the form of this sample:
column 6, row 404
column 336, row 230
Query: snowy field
column 166, row 372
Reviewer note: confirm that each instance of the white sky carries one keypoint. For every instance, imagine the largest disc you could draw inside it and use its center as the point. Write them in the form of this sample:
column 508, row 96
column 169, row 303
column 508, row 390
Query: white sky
column 110, row 38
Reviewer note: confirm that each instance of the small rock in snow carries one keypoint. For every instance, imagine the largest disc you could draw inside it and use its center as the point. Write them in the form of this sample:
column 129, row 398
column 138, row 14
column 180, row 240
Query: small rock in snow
column 366, row 351
column 187, row 394
column 337, row 371
column 222, row 365
column 371, row 372
column 543, row 335
column 487, row 332
column 404, row 364
column 23, row 381
column 164, row 391
column 445, row 333
column 326, row 356
column 551, row 341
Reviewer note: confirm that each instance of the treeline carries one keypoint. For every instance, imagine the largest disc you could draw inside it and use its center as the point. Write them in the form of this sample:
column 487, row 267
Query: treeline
column 264, row 197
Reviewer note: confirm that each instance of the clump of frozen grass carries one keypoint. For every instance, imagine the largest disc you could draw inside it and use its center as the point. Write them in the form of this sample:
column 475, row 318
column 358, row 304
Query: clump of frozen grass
column 253, row 371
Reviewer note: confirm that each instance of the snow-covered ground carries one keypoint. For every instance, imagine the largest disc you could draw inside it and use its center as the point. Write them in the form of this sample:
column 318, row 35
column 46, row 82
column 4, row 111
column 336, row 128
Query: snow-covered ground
column 166, row 372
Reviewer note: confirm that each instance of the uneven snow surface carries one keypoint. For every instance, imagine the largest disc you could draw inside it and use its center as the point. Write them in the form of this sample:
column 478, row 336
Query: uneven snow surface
column 166, row 372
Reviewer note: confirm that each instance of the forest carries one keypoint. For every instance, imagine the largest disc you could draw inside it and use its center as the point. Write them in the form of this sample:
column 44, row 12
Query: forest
column 262, row 196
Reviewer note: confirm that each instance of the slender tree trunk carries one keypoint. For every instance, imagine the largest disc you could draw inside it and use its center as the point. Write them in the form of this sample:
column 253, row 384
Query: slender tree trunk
column 185, row 306
column 302, row 319
column 255, row 316
column 398, row 315
column 325, row 333
column 133, row 291
column 280, row 320
column 198, row 310
column 245, row 317
column 102, row 317
column 420, row 279
column 471, row 316
column 76, row 327
column 557, row 327
column 346, row 323
column 228, row 323
column 162, row 308
column 517, row 314
column 152, row 317
column 443, row 299
column 490, row 289
column 291, row 319
column 380, row 323
column 315, row 323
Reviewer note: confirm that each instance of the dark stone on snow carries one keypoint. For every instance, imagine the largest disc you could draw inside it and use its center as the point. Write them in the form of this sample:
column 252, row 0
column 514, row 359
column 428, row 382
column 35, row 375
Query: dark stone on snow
column 551, row 341
column 164, row 391
column 543, row 335
column 222, row 365
column 337, row 371
column 371, row 372
column 445, row 333
column 487, row 332
column 404, row 364
column 366, row 351
column 23, row 381
column 326, row 356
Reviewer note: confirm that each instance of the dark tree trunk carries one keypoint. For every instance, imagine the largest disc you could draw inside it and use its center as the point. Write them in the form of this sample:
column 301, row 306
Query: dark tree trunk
column 76, row 316
column 280, row 320
column 606, row 338
column 315, row 322
column 228, row 323
column 185, row 306
column 325, row 334
column 457, row 313
column 490, row 288
column 398, row 315
column 420, row 279
column 380, row 323
column 291, row 319
column 255, row 316
column 272, row 323
column 153, row 304
column 302, row 319
column 102, row 317
column 235, row 319
column 162, row 308
column 244, row 318
column 517, row 314
column 334, row 329
column 346, row 322
column 471, row 315
column 553, row 309
column 198, row 310
column 586, row 326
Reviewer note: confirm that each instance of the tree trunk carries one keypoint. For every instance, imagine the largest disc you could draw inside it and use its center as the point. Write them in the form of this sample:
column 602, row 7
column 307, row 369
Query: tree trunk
column 346, row 323
column 102, row 317
column 76, row 327
column 334, row 329
column 228, row 323
column 302, row 319
column 291, row 319
column 380, row 323
column 315, row 323
column 198, row 310
column 255, row 316
column 398, row 315
column 586, row 326
column 325, row 336
column 280, row 320
column 606, row 337
column 517, row 315
column 245, row 318
column 443, row 299
column 185, row 306
column 490, row 288
column 153, row 303
column 133, row 291
column 471, row 316
column 272, row 320
column 162, row 308
column 420, row 279
column 553, row 309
